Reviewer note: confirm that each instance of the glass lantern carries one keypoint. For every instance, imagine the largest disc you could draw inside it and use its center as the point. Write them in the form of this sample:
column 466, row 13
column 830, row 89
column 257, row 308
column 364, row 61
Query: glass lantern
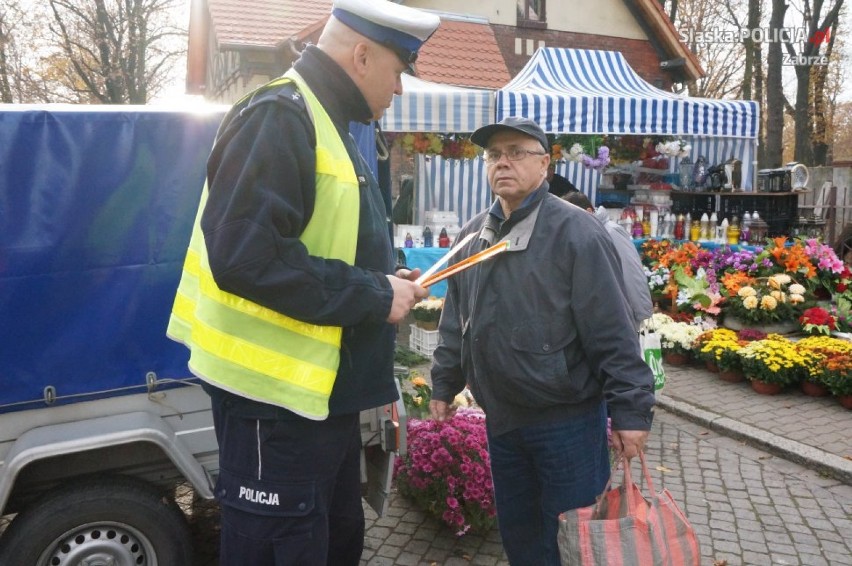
column 758, row 230
column 685, row 173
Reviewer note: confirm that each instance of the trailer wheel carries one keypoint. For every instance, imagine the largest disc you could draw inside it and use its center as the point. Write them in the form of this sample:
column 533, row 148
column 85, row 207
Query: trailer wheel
column 112, row 520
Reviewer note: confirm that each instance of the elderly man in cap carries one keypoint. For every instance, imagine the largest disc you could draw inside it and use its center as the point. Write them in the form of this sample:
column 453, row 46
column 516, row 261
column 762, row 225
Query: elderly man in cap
column 289, row 294
column 543, row 336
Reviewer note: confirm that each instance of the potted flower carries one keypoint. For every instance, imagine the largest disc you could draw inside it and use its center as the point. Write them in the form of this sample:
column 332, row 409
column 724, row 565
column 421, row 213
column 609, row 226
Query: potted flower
column 662, row 292
column 416, row 394
column 427, row 313
column 817, row 321
column 772, row 304
column 447, row 473
column 773, row 363
column 823, row 348
column 838, row 377
column 720, row 347
column 676, row 341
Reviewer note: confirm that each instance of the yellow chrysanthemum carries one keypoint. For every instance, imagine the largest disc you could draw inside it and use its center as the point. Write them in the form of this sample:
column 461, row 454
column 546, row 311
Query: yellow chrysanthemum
column 779, row 296
column 768, row 303
column 796, row 298
column 750, row 302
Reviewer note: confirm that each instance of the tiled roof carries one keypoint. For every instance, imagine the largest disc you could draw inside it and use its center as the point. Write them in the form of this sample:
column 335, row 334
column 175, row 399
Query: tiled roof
column 460, row 53
column 464, row 54
column 262, row 23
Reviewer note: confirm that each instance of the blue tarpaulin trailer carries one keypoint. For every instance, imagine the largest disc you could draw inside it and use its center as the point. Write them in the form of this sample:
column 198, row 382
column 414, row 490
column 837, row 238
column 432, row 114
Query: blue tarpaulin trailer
column 96, row 209
column 101, row 423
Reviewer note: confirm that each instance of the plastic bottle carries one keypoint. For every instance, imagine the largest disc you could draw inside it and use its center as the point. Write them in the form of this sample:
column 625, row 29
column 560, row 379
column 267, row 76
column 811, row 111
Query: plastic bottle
column 627, row 222
column 427, row 237
column 687, row 226
column 654, row 224
column 733, row 235
column 409, row 241
column 705, row 228
column 638, row 231
column 722, row 232
column 695, row 231
column 679, row 226
column 744, row 228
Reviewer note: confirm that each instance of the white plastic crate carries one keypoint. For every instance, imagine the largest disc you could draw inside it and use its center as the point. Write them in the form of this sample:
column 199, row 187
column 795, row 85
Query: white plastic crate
column 422, row 341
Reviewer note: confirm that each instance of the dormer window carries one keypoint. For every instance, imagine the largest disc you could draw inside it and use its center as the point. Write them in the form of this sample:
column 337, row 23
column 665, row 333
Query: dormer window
column 532, row 13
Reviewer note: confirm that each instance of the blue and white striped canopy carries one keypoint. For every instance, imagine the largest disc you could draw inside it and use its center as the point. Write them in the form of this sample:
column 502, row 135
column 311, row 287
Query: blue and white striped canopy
column 597, row 92
column 458, row 185
column 430, row 107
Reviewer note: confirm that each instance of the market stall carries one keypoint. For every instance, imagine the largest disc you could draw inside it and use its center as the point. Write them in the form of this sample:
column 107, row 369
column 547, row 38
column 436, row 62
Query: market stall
column 441, row 184
column 597, row 92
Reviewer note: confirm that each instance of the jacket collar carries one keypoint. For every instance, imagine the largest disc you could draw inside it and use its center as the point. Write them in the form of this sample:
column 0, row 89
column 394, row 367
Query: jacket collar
column 519, row 227
column 333, row 88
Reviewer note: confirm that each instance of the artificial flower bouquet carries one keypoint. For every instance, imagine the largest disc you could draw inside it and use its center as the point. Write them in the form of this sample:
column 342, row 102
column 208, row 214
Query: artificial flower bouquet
column 447, row 472
column 674, row 148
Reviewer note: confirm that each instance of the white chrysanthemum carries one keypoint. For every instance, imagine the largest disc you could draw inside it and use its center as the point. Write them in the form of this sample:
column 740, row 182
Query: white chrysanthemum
column 430, row 304
column 678, row 334
column 797, row 289
column 796, row 298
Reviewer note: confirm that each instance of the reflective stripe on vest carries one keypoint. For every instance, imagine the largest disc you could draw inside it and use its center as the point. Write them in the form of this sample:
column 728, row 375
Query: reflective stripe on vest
column 253, row 351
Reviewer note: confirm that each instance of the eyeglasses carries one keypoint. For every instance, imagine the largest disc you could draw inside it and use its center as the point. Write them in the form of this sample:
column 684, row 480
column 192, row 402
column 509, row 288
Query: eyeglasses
column 512, row 154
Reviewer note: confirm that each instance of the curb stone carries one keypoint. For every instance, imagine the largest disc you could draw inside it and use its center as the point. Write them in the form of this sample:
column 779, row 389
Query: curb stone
column 814, row 458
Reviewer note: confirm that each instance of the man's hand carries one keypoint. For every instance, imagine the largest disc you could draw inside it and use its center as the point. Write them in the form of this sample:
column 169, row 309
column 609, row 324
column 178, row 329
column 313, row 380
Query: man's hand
column 628, row 443
column 406, row 293
column 441, row 410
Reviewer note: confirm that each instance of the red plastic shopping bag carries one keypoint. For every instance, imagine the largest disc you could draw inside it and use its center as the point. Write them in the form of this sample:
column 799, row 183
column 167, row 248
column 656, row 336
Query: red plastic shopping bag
column 626, row 528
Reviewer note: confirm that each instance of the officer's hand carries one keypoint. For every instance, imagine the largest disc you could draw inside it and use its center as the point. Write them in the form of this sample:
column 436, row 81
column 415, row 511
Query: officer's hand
column 441, row 410
column 409, row 274
column 406, row 294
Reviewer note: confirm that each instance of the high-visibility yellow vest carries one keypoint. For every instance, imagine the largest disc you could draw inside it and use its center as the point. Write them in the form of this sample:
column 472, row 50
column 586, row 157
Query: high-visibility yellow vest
column 251, row 350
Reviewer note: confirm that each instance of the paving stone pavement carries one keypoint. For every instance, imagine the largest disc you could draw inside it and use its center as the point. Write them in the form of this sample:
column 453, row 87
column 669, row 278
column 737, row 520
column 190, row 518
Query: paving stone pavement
column 810, row 430
column 764, row 481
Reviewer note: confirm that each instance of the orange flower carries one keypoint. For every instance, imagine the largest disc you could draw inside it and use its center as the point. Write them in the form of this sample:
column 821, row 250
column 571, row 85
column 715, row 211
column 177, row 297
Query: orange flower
column 734, row 281
column 680, row 256
column 779, row 249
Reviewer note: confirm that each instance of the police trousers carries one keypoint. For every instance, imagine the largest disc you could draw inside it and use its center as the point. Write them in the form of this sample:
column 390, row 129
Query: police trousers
column 289, row 489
